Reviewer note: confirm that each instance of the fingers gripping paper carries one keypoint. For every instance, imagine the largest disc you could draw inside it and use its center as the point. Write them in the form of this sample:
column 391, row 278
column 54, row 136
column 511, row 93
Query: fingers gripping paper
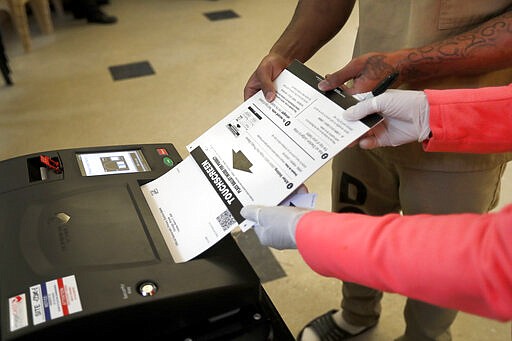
column 258, row 154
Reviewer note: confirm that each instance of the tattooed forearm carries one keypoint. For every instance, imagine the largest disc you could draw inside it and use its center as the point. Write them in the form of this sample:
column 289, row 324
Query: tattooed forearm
column 476, row 49
column 376, row 66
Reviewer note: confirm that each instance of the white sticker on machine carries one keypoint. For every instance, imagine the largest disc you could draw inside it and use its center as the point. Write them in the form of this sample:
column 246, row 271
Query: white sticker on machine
column 54, row 299
column 18, row 312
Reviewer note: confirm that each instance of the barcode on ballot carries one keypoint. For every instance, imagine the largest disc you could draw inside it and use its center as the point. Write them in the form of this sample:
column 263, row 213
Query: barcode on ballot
column 226, row 220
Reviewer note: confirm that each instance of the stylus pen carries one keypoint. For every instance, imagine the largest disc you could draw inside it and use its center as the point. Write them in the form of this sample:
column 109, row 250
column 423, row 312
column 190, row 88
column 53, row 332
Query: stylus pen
column 385, row 84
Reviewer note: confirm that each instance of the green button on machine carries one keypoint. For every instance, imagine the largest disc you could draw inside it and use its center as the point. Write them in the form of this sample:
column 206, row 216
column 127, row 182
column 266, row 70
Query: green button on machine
column 168, row 161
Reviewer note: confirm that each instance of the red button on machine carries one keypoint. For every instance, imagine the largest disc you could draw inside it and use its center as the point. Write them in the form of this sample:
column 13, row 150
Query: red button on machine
column 162, row 151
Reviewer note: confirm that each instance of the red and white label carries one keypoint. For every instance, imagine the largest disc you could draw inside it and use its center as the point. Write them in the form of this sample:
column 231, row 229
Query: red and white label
column 54, row 299
column 18, row 312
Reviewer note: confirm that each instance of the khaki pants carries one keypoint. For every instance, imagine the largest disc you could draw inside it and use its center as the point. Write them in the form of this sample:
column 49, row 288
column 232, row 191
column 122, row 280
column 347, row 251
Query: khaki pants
column 370, row 182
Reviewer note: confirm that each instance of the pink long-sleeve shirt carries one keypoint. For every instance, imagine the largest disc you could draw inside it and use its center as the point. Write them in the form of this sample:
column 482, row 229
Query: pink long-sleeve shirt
column 459, row 261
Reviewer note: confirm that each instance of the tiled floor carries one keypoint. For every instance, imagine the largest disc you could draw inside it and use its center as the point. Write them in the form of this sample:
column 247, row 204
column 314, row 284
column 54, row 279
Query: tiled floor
column 65, row 96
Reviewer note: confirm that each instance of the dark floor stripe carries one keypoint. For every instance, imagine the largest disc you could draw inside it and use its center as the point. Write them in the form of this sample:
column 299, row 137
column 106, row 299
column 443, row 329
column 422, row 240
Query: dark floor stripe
column 131, row 70
column 221, row 15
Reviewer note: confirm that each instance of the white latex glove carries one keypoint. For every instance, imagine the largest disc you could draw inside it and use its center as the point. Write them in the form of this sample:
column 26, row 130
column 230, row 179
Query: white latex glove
column 406, row 118
column 275, row 225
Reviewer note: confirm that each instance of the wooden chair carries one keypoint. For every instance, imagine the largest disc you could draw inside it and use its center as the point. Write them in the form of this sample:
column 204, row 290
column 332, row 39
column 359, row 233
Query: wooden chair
column 41, row 10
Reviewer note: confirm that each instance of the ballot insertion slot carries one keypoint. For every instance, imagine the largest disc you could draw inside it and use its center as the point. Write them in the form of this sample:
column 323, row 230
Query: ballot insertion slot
column 43, row 167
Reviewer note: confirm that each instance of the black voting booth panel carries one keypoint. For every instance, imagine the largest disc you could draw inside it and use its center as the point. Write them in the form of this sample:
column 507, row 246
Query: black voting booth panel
column 58, row 225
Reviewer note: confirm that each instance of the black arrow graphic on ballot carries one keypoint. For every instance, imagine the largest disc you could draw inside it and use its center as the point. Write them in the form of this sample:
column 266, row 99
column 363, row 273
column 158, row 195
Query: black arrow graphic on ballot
column 241, row 162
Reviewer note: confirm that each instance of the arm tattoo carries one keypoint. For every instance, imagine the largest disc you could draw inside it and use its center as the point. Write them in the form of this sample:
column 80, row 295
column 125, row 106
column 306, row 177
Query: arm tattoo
column 465, row 46
column 376, row 66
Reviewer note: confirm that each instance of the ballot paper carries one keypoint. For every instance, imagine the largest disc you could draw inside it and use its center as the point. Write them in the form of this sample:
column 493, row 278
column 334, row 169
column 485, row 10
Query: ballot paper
column 260, row 153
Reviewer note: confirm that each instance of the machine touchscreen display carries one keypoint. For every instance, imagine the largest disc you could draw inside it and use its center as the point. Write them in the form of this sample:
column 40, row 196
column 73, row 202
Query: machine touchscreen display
column 110, row 163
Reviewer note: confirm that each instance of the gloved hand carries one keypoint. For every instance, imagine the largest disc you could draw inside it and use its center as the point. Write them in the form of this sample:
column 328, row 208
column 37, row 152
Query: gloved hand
column 276, row 225
column 406, row 118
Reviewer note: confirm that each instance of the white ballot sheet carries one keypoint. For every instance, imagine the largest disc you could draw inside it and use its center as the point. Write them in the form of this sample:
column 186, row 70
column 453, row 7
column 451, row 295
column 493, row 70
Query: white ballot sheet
column 189, row 213
column 258, row 154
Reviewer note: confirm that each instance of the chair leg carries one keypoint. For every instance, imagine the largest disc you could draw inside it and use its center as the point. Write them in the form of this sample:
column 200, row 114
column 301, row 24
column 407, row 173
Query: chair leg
column 6, row 72
column 4, row 66
column 19, row 17
column 59, row 9
column 41, row 9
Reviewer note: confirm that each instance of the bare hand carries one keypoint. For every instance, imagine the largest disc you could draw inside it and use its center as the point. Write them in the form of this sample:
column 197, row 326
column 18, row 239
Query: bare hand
column 262, row 79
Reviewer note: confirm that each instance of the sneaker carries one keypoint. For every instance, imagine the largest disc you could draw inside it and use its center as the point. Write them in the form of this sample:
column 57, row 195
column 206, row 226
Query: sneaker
column 326, row 328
